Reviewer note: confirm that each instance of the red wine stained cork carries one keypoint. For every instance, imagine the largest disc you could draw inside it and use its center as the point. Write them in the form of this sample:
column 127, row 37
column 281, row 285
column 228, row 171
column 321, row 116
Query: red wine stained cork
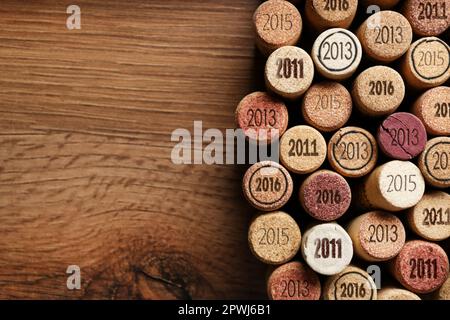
column 434, row 162
column 393, row 186
column 378, row 91
column 293, row 281
column 262, row 117
column 428, row 17
column 396, row 294
column 433, row 108
column 267, row 185
column 302, row 149
column 325, row 195
column 377, row 236
column 382, row 4
column 402, row 136
column 327, row 248
column 325, row 14
column 289, row 72
column 444, row 291
column 421, row 266
column 278, row 23
column 327, row 106
column 353, row 152
column 427, row 63
column 336, row 53
column 274, row 238
column 430, row 218
column 385, row 36
column 350, row 284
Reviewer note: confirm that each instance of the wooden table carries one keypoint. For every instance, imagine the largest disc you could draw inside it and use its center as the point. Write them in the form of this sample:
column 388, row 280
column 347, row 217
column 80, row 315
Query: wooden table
column 85, row 172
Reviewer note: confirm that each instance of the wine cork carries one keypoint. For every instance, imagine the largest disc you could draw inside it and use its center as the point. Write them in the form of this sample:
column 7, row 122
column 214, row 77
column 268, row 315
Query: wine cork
column 434, row 162
column 353, row 152
column 393, row 186
column 289, row 72
column 302, row 149
column 402, row 136
column 421, row 266
column 378, row 91
column 327, row 248
column 433, row 108
column 385, row 36
column 427, row 63
column 430, row 218
column 293, row 281
column 396, row 294
column 325, row 14
column 325, row 195
column 444, row 291
column 351, row 284
column 382, row 4
column 377, row 235
column 336, row 53
column 262, row 117
column 274, row 238
column 267, row 186
column 428, row 17
column 327, row 106
column 278, row 23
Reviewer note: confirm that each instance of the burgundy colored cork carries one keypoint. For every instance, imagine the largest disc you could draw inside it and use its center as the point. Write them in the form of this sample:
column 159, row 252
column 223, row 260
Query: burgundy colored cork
column 428, row 18
column 293, row 281
column 402, row 136
column 262, row 117
column 325, row 195
column 421, row 266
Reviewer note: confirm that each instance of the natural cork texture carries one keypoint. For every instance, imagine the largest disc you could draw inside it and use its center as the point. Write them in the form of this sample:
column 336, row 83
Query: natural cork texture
column 421, row 266
column 302, row 149
column 385, row 36
column 330, row 14
column 262, row 117
column 274, row 238
column 289, row 72
column 267, row 185
column 377, row 236
column 327, row 106
column 378, row 91
column 402, row 136
column 430, row 218
column 396, row 294
column 444, row 291
column 351, row 284
column 336, row 53
column 427, row 63
column 278, row 23
column 428, row 18
column 433, row 108
column 393, row 186
column 325, row 195
column 434, row 162
column 293, row 281
column 383, row 4
column 353, row 152
column 327, row 248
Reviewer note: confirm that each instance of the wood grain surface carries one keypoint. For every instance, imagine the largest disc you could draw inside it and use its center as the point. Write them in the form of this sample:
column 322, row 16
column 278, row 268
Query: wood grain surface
column 85, row 170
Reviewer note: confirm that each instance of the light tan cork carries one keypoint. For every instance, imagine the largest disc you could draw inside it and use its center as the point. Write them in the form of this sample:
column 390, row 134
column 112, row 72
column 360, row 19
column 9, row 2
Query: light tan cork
column 433, row 108
column 430, row 218
column 393, row 186
column 351, row 284
column 434, row 162
column 353, row 152
column 330, row 14
column 274, row 238
column 391, row 293
column 427, row 63
column 377, row 235
column 385, row 36
column 327, row 106
column 378, row 91
column 427, row 18
column 289, row 72
column 444, row 292
column 277, row 23
column 302, row 149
